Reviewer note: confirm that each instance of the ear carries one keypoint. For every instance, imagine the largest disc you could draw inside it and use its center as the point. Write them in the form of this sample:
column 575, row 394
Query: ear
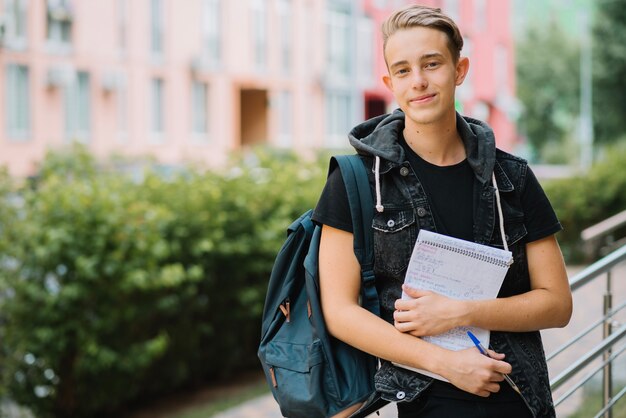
column 462, row 68
column 388, row 82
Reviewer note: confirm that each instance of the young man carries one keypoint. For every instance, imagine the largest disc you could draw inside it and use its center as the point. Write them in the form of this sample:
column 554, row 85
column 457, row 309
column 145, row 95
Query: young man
column 432, row 169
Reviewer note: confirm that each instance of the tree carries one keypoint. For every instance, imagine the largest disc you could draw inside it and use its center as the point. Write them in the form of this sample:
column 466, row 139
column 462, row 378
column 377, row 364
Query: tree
column 609, row 67
column 548, row 87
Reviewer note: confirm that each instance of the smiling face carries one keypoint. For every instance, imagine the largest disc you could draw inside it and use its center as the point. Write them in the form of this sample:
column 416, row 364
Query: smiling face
column 423, row 74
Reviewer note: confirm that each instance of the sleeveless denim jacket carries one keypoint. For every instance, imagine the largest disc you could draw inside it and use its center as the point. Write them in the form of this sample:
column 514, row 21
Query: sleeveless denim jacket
column 406, row 211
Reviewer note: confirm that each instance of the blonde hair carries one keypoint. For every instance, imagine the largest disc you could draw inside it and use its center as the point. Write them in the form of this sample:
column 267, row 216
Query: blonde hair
column 428, row 17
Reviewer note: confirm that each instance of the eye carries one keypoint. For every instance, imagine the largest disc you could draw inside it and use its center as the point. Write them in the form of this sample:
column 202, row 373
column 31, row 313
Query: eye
column 431, row 65
column 402, row 71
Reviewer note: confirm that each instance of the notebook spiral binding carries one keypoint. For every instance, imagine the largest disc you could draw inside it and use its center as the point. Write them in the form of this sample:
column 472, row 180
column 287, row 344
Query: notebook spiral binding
column 472, row 254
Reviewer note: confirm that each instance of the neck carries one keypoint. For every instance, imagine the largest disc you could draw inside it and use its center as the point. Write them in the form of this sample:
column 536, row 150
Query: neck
column 438, row 143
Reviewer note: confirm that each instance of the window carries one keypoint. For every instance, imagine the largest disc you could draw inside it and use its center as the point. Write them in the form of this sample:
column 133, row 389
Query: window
column 199, row 108
column 77, row 108
column 122, row 109
column 284, row 115
column 157, row 23
column 501, row 70
column 286, row 35
column 480, row 14
column 452, row 9
column 15, row 30
column 338, row 46
column 122, row 25
column 338, row 118
column 17, row 102
column 157, row 104
column 59, row 20
column 259, row 34
column 365, row 51
column 211, row 28
column 310, row 43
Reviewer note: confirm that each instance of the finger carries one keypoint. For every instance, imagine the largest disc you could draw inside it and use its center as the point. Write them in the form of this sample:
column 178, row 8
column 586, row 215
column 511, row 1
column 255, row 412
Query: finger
column 401, row 326
column 494, row 355
column 403, row 304
column 415, row 293
column 402, row 316
column 493, row 388
column 503, row 367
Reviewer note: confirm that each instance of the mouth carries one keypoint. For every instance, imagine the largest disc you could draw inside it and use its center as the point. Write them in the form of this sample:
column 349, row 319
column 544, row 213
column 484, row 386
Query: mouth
column 422, row 99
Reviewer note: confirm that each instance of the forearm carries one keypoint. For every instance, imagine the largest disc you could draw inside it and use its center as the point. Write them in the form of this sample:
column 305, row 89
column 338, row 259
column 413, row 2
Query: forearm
column 535, row 310
column 547, row 305
column 367, row 332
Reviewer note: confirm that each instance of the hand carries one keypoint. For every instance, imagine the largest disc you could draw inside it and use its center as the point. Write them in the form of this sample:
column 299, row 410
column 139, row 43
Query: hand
column 427, row 313
column 476, row 373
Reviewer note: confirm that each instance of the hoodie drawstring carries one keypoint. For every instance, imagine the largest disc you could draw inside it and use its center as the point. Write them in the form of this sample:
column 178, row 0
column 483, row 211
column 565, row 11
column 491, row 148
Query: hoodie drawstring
column 500, row 217
column 379, row 205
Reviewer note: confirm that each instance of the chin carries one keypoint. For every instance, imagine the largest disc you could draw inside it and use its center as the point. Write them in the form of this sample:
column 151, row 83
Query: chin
column 425, row 116
column 421, row 117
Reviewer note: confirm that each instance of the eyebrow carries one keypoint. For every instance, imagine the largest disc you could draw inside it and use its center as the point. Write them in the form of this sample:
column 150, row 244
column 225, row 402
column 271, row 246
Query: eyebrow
column 422, row 58
column 398, row 64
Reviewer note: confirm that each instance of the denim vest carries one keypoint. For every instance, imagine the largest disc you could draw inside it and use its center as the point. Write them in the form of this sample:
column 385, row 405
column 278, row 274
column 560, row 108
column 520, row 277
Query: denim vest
column 406, row 211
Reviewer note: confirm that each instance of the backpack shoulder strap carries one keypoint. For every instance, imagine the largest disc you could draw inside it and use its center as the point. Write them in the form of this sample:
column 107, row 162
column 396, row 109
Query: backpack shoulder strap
column 361, row 202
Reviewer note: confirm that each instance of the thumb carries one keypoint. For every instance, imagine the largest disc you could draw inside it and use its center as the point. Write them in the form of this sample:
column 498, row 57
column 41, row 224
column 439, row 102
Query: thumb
column 415, row 293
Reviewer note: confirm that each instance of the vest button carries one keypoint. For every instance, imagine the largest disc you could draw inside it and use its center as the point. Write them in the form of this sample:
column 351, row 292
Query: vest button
column 421, row 212
column 404, row 171
column 400, row 395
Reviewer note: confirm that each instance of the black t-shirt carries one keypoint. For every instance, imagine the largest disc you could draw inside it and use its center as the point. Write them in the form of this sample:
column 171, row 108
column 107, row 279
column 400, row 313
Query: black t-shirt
column 450, row 194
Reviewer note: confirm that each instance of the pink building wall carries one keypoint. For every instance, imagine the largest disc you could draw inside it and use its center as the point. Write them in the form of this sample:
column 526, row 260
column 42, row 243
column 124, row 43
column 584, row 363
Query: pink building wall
column 281, row 105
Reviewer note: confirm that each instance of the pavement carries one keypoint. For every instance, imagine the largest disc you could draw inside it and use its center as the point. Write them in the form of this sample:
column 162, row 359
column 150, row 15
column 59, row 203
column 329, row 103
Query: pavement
column 266, row 407
column 588, row 302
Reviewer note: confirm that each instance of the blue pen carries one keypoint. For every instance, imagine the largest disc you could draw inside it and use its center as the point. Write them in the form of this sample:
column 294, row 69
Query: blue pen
column 484, row 351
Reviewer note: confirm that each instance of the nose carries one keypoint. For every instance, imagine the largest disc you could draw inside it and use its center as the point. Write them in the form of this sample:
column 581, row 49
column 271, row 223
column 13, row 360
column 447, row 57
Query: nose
column 419, row 80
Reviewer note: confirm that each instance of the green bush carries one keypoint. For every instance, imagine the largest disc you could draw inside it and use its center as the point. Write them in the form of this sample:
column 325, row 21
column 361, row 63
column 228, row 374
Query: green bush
column 114, row 290
column 587, row 199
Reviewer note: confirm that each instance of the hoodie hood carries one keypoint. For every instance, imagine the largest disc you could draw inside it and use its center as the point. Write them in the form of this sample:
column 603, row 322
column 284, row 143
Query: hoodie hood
column 378, row 137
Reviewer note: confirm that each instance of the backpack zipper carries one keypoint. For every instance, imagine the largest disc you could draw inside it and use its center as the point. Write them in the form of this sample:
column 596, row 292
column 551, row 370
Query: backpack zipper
column 285, row 309
column 273, row 376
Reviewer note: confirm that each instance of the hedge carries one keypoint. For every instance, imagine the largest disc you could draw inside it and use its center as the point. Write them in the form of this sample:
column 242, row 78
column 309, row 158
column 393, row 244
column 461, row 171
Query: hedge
column 587, row 199
column 115, row 290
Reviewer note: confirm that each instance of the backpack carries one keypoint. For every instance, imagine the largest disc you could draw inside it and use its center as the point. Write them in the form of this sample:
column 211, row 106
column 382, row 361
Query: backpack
column 310, row 373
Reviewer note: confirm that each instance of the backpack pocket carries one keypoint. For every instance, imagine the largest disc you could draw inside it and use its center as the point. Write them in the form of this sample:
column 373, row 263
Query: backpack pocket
column 299, row 377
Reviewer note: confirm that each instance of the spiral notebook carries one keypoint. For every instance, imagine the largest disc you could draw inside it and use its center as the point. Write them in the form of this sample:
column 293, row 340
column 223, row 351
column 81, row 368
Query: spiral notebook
column 457, row 269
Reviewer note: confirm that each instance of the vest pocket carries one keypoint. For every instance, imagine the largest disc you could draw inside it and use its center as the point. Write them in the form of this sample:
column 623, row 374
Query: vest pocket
column 394, row 237
column 514, row 229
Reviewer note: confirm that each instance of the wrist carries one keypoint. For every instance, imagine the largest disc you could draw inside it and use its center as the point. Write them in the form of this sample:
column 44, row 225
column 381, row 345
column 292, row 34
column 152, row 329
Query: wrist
column 440, row 361
column 466, row 315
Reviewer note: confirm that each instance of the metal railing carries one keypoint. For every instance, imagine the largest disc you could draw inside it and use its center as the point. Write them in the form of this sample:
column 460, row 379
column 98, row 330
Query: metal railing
column 609, row 348
column 601, row 235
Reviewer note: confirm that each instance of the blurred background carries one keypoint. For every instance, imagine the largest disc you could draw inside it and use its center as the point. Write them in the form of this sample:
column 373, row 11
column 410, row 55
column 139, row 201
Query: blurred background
column 153, row 152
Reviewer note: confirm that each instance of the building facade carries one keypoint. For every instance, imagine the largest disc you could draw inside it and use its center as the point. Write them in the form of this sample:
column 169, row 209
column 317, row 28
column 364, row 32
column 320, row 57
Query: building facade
column 199, row 79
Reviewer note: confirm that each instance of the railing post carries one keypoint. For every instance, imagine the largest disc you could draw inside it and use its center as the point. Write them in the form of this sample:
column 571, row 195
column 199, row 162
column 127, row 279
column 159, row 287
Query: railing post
column 607, row 374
